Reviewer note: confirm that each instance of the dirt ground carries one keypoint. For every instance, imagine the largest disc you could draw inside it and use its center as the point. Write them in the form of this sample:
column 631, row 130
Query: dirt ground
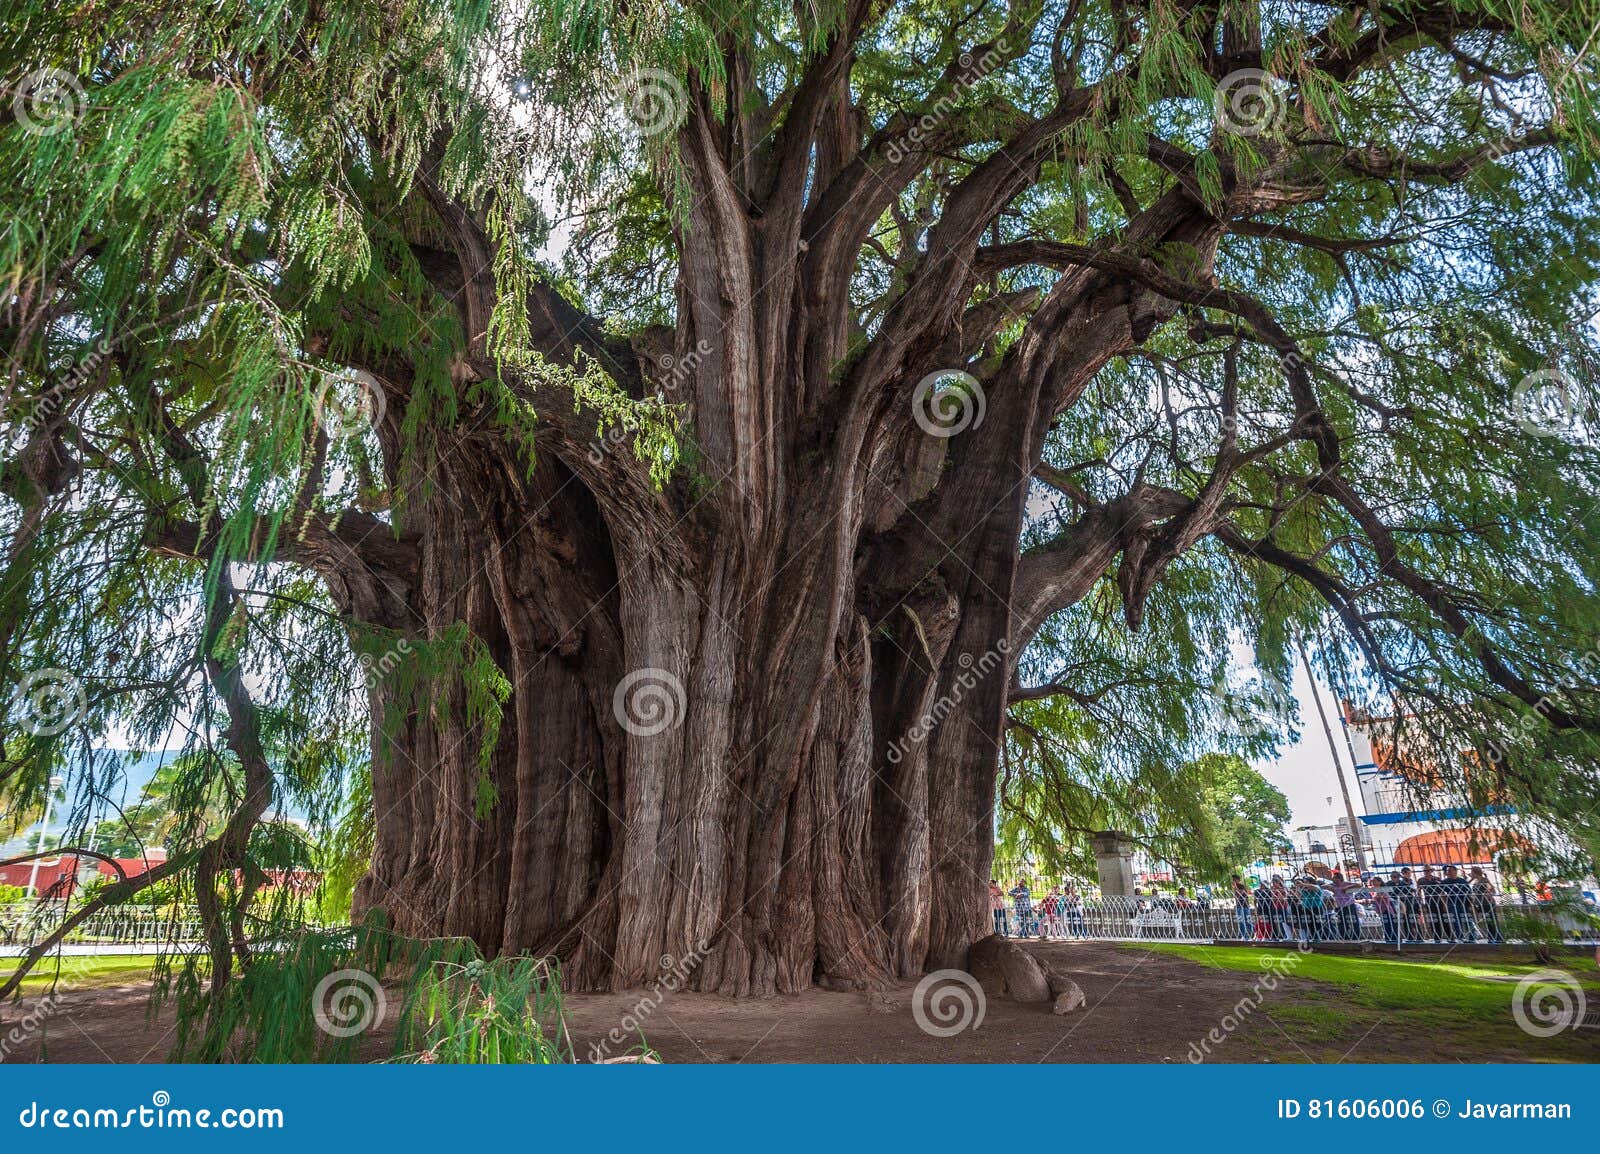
column 1142, row 1006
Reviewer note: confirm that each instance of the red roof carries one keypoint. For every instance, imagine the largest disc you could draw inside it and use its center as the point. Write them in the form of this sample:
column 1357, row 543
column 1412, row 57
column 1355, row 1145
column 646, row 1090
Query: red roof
column 58, row 876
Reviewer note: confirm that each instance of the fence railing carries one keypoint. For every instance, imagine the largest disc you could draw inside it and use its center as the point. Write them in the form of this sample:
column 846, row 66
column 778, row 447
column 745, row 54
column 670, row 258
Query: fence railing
column 1172, row 919
column 24, row 923
column 1098, row 918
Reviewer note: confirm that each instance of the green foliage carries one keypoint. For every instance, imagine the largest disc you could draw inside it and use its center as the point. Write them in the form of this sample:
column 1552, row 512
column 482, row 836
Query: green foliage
column 1247, row 817
column 344, row 855
column 1418, row 337
column 1549, row 925
column 256, row 207
column 246, row 204
column 1209, row 816
column 269, row 1011
column 505, row 1011
column 318, row 996
column 186, row 801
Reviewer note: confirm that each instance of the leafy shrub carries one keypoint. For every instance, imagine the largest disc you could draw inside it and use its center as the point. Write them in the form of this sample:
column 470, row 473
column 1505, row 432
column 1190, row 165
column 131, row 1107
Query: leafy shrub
column 505, row 1011
column 315, row 995
column 1547, row 927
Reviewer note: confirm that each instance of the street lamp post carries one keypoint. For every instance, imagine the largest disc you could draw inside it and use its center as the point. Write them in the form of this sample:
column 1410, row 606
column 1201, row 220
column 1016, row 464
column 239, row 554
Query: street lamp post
column 44, row 829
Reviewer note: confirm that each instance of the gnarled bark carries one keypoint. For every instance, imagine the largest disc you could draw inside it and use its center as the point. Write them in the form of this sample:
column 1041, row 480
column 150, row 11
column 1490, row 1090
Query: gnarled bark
column 828, row 598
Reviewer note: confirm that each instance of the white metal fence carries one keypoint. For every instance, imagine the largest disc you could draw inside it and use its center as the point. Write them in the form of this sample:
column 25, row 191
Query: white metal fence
column 144, row 929
column 1185, row 920
column 132, row 929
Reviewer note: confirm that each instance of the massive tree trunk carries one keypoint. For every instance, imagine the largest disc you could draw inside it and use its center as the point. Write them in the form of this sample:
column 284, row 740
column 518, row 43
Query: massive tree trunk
column 734, row 757
column 755, row 715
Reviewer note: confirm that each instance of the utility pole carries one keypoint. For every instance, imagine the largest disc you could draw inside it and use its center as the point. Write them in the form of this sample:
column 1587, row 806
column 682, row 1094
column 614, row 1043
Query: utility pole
column 1338, row 766
column 44, row 830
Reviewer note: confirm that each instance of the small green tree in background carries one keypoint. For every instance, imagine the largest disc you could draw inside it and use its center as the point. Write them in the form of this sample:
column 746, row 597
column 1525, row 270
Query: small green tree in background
column 1208, row 817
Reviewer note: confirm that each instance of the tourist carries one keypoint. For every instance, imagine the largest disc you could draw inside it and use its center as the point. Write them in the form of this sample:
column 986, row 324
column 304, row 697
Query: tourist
column 1072, row 912
column 1264, row 914
column 1282, row 909
column 1311, row 901
column 1432, row 900
column 997, row 907
column 1296, row 918
column 1483, row 905
column 1345, row 911
column 1022, row 899
column 1241, row 906
column 1408, row 904
column 1049, row 910
column 1383, row 904
column 1457, row 893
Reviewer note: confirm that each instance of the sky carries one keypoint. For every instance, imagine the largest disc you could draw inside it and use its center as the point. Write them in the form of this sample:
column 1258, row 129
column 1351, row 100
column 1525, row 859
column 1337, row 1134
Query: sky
column 1304, row 771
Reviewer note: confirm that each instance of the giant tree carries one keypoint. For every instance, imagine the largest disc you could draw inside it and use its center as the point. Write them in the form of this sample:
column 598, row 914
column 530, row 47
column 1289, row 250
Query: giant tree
column 672, row 434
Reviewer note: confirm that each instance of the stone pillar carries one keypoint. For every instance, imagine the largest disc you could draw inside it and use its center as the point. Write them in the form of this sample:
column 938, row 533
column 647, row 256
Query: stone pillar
column 1113, row 854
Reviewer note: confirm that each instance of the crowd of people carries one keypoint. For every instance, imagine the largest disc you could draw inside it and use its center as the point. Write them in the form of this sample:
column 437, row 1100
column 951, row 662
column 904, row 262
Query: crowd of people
column 1058, row 913
column 1432, row 907
column 1438, row 907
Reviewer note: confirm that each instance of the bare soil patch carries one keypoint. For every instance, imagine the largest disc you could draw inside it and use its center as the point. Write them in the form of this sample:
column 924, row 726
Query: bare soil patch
column 1143, row 1006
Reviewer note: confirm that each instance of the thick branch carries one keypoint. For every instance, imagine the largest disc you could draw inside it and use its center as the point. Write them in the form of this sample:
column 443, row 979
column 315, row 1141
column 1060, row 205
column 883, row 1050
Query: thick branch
column 1056, row 575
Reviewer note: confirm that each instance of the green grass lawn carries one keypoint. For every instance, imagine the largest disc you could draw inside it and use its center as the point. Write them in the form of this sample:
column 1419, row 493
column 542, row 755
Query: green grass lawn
column 1450, row 1006
column 81, row 973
